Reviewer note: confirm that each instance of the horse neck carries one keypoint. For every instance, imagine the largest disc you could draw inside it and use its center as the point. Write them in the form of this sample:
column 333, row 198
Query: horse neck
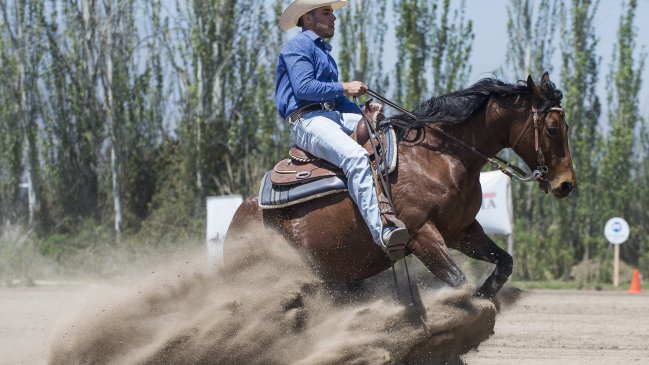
column 488, row 131
column 495, row 125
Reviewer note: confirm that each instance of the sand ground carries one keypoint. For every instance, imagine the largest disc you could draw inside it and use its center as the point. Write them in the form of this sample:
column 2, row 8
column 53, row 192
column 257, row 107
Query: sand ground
column 569, row 327
column 544, row 327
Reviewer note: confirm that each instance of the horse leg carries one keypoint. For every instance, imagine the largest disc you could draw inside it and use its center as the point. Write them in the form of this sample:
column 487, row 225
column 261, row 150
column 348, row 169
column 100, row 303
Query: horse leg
column 429, row 247
column 476, row 244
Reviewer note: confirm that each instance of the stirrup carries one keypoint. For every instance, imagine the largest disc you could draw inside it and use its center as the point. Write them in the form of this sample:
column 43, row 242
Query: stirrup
column 394, row 243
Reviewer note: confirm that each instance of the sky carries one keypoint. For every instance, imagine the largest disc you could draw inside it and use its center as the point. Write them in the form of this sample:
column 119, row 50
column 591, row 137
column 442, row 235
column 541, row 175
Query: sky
column 490, row 43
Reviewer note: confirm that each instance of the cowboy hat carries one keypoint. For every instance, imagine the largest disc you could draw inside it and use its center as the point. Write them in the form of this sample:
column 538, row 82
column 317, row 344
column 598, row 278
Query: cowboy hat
column 297, row 8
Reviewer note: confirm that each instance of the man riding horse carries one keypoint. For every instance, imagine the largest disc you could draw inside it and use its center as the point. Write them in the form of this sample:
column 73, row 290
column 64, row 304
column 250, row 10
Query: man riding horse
column 310, row 98
column 443, row 145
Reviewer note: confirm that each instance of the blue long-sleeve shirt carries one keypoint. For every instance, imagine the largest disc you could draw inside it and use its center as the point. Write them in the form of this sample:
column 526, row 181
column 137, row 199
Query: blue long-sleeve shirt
column 306, row 73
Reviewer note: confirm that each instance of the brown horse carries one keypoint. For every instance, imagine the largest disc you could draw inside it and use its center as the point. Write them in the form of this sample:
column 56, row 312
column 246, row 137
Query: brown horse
column 436, row 188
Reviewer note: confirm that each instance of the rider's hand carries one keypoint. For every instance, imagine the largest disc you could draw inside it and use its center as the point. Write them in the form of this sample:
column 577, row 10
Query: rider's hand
column 375, row 107
column 354, row 88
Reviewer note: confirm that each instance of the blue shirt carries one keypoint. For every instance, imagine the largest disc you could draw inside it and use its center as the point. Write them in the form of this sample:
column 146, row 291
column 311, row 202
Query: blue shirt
column 306, row 74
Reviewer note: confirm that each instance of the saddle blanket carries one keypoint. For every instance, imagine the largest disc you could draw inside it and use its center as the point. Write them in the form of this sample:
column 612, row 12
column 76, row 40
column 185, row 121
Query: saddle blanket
column 272, row 196
column 279, row 196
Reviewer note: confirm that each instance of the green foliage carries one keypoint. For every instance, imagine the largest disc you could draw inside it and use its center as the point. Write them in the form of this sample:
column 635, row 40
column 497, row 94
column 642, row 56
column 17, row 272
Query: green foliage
column 173, row 218
column 619, row 163
column 563, row 239
column 412, row 49
column 531, row 28
column 362, row 35
column 580, row 72
column 452, row 41
column 434, row 44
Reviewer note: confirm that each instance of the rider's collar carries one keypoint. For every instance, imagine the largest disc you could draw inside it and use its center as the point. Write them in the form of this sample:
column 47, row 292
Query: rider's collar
column 316, row 38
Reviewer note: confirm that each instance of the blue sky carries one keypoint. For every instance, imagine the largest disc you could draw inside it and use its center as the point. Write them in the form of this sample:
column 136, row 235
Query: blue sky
column 490, row 44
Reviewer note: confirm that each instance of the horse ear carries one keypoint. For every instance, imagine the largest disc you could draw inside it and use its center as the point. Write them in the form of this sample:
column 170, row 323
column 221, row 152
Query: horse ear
column 535, row 89
column 545, row 78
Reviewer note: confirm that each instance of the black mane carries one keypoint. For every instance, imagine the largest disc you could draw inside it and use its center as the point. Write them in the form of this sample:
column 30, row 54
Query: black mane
column 457, row 107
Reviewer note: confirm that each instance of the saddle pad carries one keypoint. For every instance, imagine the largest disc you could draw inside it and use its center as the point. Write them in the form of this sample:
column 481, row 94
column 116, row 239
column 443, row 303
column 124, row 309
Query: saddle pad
column 273, row 196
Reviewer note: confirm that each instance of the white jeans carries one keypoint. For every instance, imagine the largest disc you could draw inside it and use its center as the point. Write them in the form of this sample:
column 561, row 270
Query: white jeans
column 325, row 134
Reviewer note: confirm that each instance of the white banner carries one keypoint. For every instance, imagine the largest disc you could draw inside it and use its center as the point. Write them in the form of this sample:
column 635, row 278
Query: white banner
column 220, row 210
column 496, row 213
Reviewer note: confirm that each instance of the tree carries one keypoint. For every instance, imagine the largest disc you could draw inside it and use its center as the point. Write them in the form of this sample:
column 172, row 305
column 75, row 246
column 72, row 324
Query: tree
column 362, row 35
column 25, row 38
column 11, row 136
column 580, row 69
column 415, row 21
column 433, row 48
column 75, row 116
column 618, row 176
column 531, row 30
column 452, row 41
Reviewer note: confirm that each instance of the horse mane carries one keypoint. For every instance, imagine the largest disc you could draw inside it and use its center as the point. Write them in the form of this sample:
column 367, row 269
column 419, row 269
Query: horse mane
column 458, row 107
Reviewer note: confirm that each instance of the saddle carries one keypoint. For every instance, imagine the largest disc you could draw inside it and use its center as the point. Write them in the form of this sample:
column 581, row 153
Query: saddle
column 302, row 177
column 302, row 167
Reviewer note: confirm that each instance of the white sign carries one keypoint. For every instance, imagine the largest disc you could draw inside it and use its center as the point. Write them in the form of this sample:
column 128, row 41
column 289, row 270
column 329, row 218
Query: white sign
column 616, row 230
column 495, row 215
column 220, row 210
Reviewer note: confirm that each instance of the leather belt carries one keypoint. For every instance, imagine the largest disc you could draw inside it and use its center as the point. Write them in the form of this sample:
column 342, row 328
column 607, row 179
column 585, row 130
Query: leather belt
column 296, row 115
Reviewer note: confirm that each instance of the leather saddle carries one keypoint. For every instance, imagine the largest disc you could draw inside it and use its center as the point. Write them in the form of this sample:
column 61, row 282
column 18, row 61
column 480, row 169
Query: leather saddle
column 301, row 166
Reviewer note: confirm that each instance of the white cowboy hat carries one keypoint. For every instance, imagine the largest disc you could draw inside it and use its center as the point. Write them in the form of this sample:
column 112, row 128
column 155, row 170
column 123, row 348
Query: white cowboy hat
column 297, row 8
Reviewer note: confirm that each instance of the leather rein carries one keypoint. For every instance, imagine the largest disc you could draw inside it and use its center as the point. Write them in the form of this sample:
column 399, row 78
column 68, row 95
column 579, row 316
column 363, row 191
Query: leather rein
column 507, row 168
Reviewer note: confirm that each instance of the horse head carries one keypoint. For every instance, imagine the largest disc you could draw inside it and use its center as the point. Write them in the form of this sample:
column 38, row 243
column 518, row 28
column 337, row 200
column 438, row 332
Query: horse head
column 542, row 139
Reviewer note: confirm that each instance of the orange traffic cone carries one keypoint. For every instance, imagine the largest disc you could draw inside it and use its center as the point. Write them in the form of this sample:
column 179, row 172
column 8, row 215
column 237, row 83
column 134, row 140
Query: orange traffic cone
column 635, row 282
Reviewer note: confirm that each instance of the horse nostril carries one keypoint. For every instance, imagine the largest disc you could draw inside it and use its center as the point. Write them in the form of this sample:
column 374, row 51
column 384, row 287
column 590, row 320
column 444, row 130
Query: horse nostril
column 566, row 187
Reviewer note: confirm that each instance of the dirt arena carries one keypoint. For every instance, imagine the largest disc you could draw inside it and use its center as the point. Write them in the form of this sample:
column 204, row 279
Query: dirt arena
column 543, row 327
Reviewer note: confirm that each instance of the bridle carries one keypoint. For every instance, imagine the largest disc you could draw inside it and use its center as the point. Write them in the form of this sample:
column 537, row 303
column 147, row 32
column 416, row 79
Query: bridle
column 541, row 168
column 507, row 168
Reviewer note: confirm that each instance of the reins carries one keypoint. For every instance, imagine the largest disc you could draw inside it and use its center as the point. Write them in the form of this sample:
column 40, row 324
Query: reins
column 504, row 166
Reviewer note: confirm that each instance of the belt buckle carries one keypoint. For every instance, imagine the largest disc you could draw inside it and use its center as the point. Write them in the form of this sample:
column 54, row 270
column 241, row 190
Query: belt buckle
column 328, row 106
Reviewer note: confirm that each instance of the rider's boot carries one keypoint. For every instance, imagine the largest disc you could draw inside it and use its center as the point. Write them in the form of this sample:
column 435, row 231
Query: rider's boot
column 393, row 241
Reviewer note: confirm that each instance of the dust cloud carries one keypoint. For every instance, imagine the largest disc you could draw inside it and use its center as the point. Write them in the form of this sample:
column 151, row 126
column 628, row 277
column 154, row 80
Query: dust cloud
column 267, row 307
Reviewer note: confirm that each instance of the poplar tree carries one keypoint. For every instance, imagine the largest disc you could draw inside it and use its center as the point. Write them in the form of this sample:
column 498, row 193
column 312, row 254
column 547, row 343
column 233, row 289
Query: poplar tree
column 11, row 136
column 531, row 29
column 618, row 176
column 641, row 201
column 22, row 34
column 144, row 96
column 200, row 52
column 257, row 138
column 362, row 37
column 434, row 45
column 415, row 19
column 75, row 123
column 580, row 69
column 452, row 41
